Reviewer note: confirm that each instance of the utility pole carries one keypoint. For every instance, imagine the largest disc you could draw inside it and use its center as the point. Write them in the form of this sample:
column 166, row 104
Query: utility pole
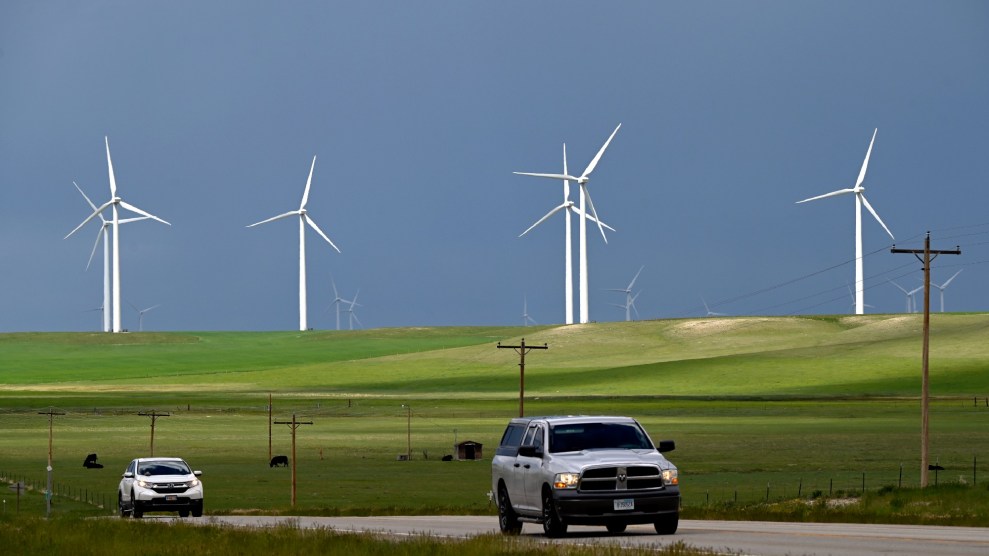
column 269, row 426
column 154, row 417
column 522, row 350
column 51, row 413
column 293, row 424
column 924, row 383
column 408, row 452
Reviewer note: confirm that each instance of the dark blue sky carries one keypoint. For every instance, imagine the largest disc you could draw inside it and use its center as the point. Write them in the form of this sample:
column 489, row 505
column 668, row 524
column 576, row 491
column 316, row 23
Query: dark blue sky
column 420, row 112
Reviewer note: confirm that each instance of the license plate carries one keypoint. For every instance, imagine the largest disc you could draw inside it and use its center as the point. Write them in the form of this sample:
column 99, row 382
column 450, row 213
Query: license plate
column 625, row 504
column 171, row 498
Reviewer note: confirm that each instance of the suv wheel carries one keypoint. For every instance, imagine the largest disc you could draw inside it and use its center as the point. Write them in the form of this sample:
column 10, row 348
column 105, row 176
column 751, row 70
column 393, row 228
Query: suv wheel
column 668, row 525
column 508, row 521
column 553, row 525
column 183, row 513
column 120, row 505
column 136, row 511
column 197, row 509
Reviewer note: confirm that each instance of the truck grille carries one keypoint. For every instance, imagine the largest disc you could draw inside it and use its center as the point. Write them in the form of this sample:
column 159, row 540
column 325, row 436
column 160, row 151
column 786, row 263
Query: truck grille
column 637, row 477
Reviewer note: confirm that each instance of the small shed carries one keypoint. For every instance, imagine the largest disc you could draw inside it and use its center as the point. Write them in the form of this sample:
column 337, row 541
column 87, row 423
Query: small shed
column 469, row 449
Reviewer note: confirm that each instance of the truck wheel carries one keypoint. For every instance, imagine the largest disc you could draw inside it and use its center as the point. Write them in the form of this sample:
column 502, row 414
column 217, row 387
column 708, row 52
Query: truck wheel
column 553, row 525
column 667, row 525
column 508, row 520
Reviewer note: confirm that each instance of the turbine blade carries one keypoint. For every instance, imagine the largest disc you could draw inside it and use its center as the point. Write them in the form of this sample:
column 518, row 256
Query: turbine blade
column 865, row 163
column 594, row 212
column 636, row 277
column 91, row 205
column 543, row 219
column 305, row 195
column 899, row 287
column 551, row 176
column 126, row 220
column 318, row 231
column 597, row 157
column 868, row 206
column 950, row 279
column 109, row 166
column 566, row 183
column 99, row 236
column 832, row 194
column 273, row 218
column 589, row 217
column 132, row 208
column 90, row 217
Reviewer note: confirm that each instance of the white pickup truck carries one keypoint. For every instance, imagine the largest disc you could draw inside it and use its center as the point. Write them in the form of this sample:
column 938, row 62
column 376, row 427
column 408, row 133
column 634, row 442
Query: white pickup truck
column 583, row 470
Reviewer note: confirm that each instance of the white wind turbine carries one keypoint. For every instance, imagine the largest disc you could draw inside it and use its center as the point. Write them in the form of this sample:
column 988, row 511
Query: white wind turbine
column 113, row 203
column 913, row 299
column 303, row 220
column 567, row 207
column 708, row 311
column 140, row 315
column 337, row 300
column 945, row 285
column 859, row 201
column 352, row 316
column 526, row 319
column 851, row 295
column 585, row 197
column 629, row 299
column 103, row 235
column 909, row 295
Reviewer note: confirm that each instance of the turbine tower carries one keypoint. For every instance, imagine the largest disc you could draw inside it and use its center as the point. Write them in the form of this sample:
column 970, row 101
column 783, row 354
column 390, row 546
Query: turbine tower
column 304, row 219
column 114, row 203
column 859, row 201
column 103, row 235
column 585, row 200
column 945, row 285
column 352, row 316
column 567, row 207
column 629, row 299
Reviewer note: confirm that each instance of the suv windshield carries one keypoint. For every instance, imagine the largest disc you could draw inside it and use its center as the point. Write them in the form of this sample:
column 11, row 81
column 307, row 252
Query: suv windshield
column 597, row 436
column 149, row 469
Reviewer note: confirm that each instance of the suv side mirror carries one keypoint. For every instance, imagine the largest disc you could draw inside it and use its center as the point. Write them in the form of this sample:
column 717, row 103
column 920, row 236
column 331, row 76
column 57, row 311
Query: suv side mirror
column 667, row 446
column 197, row 473
column 530, row 452
column 128, row 475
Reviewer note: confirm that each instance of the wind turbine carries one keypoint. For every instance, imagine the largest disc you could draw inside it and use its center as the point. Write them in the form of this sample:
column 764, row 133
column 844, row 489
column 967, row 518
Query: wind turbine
column 850, row 294
column 859, row 201
column 906, row 293
column 585, row 198
column 912, row 293
column 352, row 314
column 945, row 285
column 113, row 203
column 526, row 319
column 708, row 311
column 567, row 207
column 140, row 315
column 303, row 220
column 629, row 299
column 337, row 300
column 103, row 235
column 629, row 306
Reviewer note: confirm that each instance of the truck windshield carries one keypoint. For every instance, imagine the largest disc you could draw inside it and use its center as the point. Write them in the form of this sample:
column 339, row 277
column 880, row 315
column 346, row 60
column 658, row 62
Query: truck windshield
column 598, row 436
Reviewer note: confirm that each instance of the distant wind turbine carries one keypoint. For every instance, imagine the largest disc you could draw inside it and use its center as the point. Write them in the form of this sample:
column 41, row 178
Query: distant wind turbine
column 913, row 299
column 859, row 201
column 140, row 315
column 113, row 203
column 850, row 294
column 352, row 316
column 567, row 207
column 303, row 220
column 907, row 294
column 526, row 319
column 708, row 311
column 585, row 197
column 629, row 299
column 945, row 285
column 103, row 234
column 337, row 300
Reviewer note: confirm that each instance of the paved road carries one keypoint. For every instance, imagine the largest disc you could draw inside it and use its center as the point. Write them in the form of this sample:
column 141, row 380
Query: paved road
column 746, row 537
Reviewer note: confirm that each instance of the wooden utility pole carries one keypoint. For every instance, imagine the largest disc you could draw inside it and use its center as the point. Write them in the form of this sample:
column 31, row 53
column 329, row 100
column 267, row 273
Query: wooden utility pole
column 51, row 413
column 522, row 349
column 293, row 424
column 269, row 426
column 408, row 432
column 924, row 383
column 154, row 417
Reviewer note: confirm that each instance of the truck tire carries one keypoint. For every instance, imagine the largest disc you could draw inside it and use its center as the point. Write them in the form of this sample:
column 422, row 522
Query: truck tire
column 667, row 525
column 553, row 525
column 508, row 520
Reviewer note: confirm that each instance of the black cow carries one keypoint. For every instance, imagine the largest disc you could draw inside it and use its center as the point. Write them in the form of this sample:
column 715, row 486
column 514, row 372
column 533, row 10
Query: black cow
column 279, row 460
column 90, row 462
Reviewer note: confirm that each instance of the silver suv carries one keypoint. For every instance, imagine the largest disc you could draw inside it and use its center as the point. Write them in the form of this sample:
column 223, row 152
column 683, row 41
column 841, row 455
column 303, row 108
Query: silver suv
column 160, row 484
column 583, row 470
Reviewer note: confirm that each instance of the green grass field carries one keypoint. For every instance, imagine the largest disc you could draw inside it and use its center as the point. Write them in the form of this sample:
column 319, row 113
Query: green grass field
column 761, row 408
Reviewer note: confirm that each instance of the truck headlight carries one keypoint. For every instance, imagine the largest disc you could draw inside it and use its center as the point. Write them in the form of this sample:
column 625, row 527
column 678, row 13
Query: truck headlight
column 566, row 480
column 670, row 477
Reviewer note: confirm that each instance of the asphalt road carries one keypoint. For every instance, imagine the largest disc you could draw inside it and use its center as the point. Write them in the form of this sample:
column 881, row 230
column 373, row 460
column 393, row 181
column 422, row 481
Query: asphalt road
column 745, row 537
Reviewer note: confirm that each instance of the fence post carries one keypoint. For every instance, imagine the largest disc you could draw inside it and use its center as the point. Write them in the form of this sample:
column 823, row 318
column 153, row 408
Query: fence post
column 831, row 487
column 800, row 487
column 863, row 482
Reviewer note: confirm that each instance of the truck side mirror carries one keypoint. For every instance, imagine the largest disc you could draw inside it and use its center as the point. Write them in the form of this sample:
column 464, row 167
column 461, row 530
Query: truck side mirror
column 530, row 452
column 667, row 446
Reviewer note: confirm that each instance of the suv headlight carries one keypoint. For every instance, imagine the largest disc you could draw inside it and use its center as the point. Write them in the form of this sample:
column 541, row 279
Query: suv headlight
column 193, row 483
column 566, row 480
column 670, row 477
column 144, row 484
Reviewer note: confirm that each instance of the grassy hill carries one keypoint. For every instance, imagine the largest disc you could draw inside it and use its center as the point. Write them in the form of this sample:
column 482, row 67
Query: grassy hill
column 842, row 356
